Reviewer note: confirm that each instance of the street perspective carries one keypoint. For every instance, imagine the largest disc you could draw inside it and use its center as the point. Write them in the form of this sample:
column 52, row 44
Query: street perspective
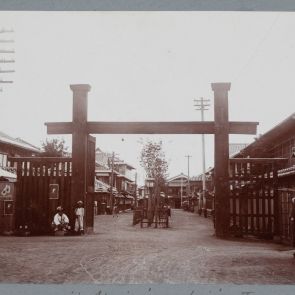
column 147, row 147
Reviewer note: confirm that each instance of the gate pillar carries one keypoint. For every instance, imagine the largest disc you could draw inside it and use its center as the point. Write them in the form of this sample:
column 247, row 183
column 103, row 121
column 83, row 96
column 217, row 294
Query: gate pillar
column 221, row 159
column 79, row 145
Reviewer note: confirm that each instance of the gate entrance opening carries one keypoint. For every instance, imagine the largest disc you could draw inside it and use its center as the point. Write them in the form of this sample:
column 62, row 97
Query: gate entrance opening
column 80, row 129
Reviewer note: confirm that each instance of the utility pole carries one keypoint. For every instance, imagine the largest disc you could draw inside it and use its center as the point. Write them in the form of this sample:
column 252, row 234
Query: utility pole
column 181, row 191
column 5, row 51
column 135, row 191
column 111, row 184
column 188, row 181
column 202, row 105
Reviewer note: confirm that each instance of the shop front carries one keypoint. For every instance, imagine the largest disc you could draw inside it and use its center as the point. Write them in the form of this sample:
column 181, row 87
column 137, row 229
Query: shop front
column 7, row 207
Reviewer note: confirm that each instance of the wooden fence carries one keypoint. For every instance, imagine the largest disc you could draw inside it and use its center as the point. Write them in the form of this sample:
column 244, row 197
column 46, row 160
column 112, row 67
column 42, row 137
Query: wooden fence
column 43, row 184
column 254, row 197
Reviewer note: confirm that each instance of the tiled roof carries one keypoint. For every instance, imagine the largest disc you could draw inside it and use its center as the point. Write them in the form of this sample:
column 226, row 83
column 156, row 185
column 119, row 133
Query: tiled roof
column 235, row 148
column 104, row 158
column 274, row 135
column 176, row 177
column 18, row 142
column 103, row 187
column 123, row 163
column 287, row 171
column 199, row 177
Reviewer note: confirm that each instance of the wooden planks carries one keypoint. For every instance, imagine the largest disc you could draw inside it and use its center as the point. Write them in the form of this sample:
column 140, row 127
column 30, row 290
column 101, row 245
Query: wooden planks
column 254, row 192
column 151, row 127
column 221, row 159
column 34, row 208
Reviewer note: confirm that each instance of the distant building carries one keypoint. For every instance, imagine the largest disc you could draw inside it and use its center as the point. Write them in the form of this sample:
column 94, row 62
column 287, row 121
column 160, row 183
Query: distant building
column 14, row 147
column 176, row 189
column 122, row 187
column 141, row 191
column 196, row 182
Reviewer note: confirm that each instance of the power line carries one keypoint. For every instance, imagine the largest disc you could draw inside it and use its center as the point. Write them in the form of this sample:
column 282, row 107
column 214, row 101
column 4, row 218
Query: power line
column 112, row 182
column 264, row 37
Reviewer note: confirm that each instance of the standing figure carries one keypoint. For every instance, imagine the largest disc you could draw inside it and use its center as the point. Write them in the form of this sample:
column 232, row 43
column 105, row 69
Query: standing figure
column 79, row 222
column 60, row 220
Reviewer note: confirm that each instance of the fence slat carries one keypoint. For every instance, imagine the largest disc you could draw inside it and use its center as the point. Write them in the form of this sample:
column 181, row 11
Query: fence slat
column 253, row 196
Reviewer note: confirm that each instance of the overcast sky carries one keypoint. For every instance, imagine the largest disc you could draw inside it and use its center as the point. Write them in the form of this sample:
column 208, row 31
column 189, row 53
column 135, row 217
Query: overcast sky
column 148, row 66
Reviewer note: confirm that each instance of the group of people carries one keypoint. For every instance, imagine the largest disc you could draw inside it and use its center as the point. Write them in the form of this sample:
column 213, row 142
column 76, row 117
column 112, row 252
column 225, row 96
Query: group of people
column 61, row 221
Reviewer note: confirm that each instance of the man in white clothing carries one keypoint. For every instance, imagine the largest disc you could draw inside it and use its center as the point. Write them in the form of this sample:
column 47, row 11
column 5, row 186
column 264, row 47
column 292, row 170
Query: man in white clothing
column 60, row 220
column 79, row 223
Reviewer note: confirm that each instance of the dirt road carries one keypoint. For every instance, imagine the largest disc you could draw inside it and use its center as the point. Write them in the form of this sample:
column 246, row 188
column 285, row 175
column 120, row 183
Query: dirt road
column 121, row 253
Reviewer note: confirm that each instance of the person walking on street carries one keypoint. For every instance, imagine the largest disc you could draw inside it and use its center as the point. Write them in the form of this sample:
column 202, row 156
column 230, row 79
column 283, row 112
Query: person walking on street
column 116, row 209
column 79, row 222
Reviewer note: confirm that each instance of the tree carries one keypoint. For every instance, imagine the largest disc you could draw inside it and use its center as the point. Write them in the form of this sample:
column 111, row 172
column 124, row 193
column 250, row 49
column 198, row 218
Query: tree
column 152, row 159
column 54, row 148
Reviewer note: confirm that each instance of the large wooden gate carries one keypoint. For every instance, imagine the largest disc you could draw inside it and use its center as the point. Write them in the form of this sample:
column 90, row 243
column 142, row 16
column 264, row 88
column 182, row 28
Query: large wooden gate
column 254, row 197
column 42, row 185
column 221, row 127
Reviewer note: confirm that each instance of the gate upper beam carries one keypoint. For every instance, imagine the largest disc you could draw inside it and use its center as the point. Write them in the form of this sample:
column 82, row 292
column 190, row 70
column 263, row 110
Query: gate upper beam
column 152, row 128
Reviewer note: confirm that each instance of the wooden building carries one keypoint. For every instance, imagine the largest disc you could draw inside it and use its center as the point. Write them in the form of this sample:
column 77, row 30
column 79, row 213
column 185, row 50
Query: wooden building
column 200, row 204
column 114, row 182
column 10, row 147
column 176, row 189
column 14, row 147
column 279, row 142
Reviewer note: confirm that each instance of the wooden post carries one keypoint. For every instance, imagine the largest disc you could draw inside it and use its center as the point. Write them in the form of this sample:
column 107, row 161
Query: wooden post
column 276, row 202
column 221, row 150
column 79, row 145
column 90, row 178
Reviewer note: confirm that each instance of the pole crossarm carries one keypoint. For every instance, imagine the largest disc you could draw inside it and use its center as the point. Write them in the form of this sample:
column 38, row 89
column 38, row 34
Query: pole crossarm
column 205, row 127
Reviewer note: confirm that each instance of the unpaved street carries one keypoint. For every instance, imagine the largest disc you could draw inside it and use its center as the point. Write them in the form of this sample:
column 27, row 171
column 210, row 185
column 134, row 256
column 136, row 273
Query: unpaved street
column 121, row 253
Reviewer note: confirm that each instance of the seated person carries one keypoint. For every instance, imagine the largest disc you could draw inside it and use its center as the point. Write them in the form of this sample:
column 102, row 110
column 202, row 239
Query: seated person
column 60, row 220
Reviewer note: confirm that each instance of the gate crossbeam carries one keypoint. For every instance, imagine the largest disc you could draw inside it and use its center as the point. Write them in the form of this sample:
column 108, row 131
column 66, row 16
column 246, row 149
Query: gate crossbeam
column 152, row 127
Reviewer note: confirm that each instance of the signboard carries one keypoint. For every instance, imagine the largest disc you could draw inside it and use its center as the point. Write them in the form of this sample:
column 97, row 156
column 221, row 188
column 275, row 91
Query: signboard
column 8, row 207
column 53, row 191
column 293, row 152
column 6, row 190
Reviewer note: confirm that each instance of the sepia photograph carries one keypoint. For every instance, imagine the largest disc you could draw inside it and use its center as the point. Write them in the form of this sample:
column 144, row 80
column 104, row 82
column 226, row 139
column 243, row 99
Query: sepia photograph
column 147, row 147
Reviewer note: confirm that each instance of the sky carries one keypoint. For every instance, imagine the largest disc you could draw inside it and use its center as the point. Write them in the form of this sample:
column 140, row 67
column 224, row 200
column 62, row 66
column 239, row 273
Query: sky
column 148, row 66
